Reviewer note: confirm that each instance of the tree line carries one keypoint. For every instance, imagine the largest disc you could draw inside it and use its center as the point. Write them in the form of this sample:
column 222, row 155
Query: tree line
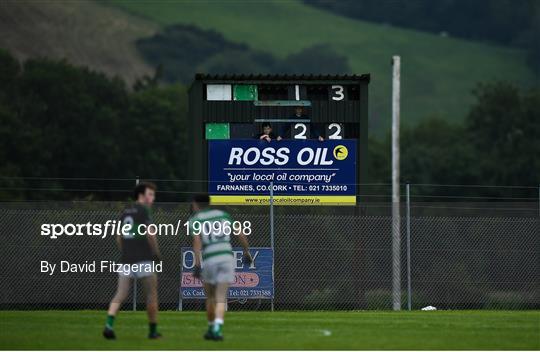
column 183, row 50
column 506, row 22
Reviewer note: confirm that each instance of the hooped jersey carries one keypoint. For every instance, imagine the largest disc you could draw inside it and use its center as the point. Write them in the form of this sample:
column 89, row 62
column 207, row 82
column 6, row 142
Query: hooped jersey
column 213, row 226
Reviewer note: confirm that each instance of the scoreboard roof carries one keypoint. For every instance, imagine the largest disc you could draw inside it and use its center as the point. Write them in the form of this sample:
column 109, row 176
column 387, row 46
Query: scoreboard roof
column 281, row 77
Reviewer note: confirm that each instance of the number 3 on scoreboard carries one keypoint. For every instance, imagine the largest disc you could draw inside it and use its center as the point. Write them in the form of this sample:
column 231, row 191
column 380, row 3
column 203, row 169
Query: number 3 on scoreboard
column 338, row 93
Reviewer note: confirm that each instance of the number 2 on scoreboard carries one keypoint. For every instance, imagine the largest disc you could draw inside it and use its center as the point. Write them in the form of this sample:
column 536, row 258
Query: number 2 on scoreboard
column 334, row 131
column 300, row 131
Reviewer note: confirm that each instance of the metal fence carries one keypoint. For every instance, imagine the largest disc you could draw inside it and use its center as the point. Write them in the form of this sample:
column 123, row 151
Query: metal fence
column 458, row 253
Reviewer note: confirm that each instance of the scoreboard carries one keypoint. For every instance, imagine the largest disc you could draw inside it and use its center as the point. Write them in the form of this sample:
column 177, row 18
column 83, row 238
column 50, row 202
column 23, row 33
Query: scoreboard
column 304, row 134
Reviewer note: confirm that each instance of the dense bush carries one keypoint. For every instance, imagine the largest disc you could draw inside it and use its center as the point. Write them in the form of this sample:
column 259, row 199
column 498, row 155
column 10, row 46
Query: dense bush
column 58, row 120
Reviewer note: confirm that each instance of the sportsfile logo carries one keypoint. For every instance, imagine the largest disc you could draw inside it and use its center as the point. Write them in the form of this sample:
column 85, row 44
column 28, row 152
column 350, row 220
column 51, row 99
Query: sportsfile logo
column 281, row 156
column 117, row 228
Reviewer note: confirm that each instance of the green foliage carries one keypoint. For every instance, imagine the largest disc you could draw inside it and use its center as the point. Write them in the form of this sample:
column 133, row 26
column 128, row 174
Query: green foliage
column 379, row 160
column 155, row 142
column 497, row 21
column 497, row 145
column 508, row 300
column 237, row 61
column 381, row 299
column 65, row 108
column 9, row 71
column 319, row 298
column 504, row 128
column 434, row 152
column 183, row 50
column 315, row 59
column 57, row 120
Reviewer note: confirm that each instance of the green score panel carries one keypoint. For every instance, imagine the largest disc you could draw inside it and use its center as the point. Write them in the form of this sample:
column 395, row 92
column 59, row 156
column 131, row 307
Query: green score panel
column 217, row 131
column 245, row 92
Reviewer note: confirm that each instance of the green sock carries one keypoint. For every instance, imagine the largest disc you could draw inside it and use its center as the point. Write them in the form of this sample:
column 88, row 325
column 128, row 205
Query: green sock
column 110, row 321
column 153, row 328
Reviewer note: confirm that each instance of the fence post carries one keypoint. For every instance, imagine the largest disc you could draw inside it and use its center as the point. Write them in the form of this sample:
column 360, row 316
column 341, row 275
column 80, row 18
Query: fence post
column 135, row 279
column 409, row 284
column 272, row 240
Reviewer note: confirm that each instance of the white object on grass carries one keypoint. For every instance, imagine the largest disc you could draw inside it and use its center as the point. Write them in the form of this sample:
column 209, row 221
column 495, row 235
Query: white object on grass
column 429, row 308
column 326, row 332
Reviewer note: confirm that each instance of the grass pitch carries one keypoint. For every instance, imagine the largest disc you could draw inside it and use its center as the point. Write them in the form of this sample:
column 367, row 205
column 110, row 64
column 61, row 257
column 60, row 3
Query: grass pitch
column 279, row 330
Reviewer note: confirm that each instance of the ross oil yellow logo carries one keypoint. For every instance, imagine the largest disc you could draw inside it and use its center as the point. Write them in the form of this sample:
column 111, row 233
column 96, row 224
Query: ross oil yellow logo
column 341, row 152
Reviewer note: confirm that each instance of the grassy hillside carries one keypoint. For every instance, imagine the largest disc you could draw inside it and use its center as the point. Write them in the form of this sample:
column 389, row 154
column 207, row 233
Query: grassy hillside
column 83, row 32
column 438, row 73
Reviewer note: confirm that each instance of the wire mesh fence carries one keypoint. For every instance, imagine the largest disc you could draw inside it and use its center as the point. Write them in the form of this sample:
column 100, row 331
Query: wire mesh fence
column 463, row 253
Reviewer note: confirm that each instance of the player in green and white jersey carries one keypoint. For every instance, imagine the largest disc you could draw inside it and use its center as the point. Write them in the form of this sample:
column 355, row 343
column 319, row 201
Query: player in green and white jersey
column 211, row 233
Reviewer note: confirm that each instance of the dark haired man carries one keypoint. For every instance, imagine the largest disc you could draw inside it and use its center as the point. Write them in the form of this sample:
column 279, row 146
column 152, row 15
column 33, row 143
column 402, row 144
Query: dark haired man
column 268, row 134
column 214, row 247
column 137, row 248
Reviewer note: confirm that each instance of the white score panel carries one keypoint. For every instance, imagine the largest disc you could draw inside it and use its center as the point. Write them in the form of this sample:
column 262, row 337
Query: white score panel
column 218, row 92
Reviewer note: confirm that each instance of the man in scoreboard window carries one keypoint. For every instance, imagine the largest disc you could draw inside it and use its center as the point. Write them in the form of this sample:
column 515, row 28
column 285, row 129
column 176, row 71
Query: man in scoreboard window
column 300, row 114
column 267, row 133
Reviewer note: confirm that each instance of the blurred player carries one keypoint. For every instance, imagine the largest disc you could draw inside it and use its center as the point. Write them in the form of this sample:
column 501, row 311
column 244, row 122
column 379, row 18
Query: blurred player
column 217, row 256
column 137, row 248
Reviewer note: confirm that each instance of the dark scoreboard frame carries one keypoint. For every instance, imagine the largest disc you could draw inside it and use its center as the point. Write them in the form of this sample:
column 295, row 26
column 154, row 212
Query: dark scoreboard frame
column 201, row 111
